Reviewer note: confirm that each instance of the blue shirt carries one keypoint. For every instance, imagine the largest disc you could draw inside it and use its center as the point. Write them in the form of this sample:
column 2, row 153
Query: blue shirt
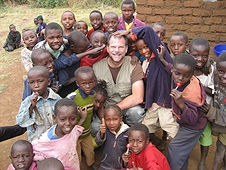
column 41, row 117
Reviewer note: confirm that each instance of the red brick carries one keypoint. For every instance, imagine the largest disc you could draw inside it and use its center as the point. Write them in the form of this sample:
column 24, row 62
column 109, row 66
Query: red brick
column 213, row 20
column 214, row 5
column 201, row 12
column 174, row 3
column 173, row 20
column 223, row 38
column 209, row 36
column 199, row 28
column 168, row 26
column 180, row 27
column 162, row 11
column 182, row 11
column 192, row 35
column 192, row 3
column 193, row 20
column 144, row 10
column 218, row 29
column 169, row 34
column 141, row 17
column 155, row 2
column 152, row 19
column 221, row 12
column 140, row 2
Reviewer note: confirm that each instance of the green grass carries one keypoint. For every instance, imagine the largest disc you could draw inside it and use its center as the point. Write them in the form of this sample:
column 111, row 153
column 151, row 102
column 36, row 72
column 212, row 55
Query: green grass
column 2, row 87
column 22, row 17
column 3, row 76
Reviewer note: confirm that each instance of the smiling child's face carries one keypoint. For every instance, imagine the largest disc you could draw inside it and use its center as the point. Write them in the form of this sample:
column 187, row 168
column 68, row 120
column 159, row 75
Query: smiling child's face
column 221, row 71
column 54, row 37
column 143, row 48
column 66, row 120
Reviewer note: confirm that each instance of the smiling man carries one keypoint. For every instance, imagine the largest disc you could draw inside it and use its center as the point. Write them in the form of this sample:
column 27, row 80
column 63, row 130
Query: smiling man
column 124, row 81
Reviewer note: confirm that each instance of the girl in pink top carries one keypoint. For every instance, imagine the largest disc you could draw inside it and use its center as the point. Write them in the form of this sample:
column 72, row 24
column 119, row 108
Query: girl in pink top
column 60, row 140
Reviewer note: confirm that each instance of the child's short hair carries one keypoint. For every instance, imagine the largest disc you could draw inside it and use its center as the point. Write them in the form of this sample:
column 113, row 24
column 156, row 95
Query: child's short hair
column 83, row 69
column 140, row 127
column 76, row 24
column 111, row 13
column 11, row 25
column 113, row 106
column 160, row 24
column 40, row 68
column 36, row 52
column 26, row 30
column 21, row 142
column 221, row 58
column 76, row 38
column 69, row 12
column 53, row 26
column 101, row 88
column 180, row 33
column 185, row 59
column 96, row 11
column 64, row 102
column 129, row 2
column 199, row 41
column 50, row 164
column 97, row 31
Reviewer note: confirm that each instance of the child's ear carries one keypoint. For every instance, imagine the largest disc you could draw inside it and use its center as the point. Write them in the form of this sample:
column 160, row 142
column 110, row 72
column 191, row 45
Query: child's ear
column 54, row 118
column 76, row 83
column 49, row 81
column 187, row 45
column 71, row 46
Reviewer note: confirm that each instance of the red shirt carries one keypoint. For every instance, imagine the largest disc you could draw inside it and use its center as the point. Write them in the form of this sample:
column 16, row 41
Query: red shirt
column 149, row 159
column 86, row 61
column 92, row 30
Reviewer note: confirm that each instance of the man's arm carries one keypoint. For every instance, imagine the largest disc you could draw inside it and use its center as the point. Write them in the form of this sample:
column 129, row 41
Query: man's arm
column 135, row 98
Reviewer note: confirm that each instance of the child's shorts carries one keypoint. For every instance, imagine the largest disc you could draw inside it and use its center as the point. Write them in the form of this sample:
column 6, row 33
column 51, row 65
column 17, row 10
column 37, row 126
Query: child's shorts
column 157, row 117
column 206, row 137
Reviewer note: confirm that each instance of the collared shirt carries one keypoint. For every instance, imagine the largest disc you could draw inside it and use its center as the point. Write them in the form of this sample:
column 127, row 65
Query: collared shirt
column 41, row 117
column 85, row 95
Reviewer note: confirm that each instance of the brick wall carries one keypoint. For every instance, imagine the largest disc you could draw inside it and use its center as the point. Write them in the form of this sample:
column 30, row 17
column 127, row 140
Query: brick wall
column 194, row 17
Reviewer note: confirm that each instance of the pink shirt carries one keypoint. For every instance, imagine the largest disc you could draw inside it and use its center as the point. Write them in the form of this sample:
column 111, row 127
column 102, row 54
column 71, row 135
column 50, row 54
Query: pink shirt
column 63, row 148
column 32, row 167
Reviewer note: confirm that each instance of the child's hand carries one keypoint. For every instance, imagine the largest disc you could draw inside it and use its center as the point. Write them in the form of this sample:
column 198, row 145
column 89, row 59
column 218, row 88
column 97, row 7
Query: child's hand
column 82, row 113
column 161, row 51
column 205, row 108
column 125, row 158
column 34, row 99
column 134, row 60
column 122, row 33
column 97, row 50
column 103, row 126
column 133, row 166
column 176, row 95
column 55, row 85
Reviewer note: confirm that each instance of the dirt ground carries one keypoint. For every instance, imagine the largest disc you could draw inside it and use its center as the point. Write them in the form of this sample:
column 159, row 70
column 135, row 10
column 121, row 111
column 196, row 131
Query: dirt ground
column 9, row 104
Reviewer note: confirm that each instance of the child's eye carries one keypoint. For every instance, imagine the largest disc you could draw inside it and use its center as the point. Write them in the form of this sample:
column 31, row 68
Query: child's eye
column 73, row 118
column 220, row 72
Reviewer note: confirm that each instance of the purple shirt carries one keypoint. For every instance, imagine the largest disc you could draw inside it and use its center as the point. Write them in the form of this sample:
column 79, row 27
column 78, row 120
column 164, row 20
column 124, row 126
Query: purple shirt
column 136, row 23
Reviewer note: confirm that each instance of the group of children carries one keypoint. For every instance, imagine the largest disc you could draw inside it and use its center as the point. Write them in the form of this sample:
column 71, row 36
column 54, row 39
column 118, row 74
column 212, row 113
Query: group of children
column 63, row 107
